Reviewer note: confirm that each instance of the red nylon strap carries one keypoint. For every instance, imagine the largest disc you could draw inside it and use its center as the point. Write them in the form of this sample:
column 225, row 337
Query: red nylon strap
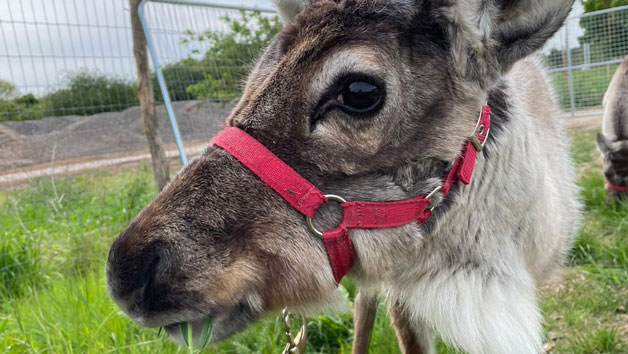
column 306, row 198
column 339, row 251
column 296, row 190
column 616, row 188
column 374, row 215
column 465, row 163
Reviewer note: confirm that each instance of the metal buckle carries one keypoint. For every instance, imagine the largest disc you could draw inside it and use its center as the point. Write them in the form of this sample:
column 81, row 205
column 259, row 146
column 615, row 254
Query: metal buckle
column 330, row 197
column 433, row 193
column 479, row 130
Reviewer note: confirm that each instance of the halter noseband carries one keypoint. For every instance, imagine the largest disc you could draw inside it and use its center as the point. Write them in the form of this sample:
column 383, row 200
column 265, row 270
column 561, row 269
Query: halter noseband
column 306, row 198
column 616, row 188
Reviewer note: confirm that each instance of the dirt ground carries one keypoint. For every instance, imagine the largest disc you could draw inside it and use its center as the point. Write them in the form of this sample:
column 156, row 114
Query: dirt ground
column 64, row 140
column 587, row 123
column 72, row 144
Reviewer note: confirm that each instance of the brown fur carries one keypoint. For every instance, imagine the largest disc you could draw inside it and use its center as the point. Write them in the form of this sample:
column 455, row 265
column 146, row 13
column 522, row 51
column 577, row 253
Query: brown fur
column 409, row 342
column 365, row 310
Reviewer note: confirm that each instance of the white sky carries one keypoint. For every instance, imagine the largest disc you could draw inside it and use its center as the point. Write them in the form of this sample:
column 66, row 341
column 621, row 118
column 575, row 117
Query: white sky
column 575, row 31
column 41, row 41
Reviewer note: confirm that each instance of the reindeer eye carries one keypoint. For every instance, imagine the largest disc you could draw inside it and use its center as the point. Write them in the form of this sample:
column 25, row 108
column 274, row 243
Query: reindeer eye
column 360, row 96
column 354, row 94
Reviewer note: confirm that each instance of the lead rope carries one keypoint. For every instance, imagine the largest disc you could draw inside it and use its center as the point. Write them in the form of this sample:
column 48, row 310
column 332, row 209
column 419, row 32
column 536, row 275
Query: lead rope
column 297, row 344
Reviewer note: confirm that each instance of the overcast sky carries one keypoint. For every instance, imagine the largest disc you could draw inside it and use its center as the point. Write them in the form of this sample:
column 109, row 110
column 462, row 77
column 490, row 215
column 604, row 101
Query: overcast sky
column 42, row 41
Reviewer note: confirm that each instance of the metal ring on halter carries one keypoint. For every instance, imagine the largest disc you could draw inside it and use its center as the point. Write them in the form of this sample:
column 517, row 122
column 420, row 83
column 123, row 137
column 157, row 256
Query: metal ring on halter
column 297, row 344
column 479, row 128
column 432, row 194
column 310, row 224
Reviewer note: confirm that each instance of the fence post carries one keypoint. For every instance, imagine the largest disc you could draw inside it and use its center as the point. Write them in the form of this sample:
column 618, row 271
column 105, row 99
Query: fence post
column 162, row 83
column 572, row 95
column 146, row 97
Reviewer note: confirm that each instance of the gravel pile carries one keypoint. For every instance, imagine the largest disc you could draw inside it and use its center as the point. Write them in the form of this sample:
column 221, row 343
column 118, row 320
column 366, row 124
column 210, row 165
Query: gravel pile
column 27, row 143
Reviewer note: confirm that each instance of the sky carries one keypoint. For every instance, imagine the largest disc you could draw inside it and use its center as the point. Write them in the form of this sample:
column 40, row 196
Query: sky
column 43, row 41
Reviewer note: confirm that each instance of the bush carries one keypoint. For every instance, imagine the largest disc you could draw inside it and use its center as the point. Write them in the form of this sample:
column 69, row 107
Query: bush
column 83, row 94
column 8, row 110
column 88, row 94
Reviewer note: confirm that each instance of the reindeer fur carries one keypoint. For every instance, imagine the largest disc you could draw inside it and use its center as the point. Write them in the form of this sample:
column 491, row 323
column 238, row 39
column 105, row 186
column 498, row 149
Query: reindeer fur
column 219, row 242
column 613, row 142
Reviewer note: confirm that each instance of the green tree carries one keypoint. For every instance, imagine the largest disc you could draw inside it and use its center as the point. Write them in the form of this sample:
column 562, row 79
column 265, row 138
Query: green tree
column 607, row 34
column 178, row 77
column 7, row 90
column 225, row 65
column 7, row 106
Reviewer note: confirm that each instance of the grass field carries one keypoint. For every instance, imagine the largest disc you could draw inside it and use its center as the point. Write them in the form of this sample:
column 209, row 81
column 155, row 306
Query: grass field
column 55, row 236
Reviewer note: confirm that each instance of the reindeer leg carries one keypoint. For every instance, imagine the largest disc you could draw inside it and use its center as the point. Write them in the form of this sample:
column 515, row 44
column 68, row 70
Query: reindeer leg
column 365, row 309
column 413, row 339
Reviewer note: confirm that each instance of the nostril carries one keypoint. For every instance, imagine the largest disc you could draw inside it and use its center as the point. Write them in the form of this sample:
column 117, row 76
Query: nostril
column 151, row 273
column 131, row 267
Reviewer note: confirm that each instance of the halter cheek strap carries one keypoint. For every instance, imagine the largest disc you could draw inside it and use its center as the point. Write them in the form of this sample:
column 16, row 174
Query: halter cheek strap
column 306, row 198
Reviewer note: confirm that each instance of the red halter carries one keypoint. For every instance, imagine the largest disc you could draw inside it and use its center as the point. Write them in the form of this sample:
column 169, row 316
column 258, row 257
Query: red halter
column 616, row 188
column 306, row 198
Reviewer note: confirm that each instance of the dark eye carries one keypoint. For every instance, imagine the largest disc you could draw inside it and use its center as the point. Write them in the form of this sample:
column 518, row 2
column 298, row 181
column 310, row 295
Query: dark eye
column 360, row 96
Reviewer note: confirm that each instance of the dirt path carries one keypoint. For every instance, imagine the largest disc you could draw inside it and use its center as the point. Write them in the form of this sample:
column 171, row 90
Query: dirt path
column 588, row 123
column 64, row 168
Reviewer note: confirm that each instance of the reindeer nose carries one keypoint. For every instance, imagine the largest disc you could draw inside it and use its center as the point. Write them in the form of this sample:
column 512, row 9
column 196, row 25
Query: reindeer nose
column 133, row 263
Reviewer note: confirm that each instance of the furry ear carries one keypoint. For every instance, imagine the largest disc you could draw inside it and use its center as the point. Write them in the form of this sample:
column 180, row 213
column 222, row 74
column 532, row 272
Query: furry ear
column 489, row 36
column 288, row 9
column 522, row 27
column 603, row 144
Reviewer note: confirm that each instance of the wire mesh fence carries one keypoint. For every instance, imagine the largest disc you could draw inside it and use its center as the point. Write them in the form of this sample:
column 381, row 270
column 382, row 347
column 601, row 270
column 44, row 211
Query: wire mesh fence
column 55, row 53
column 69, row 115
column 67, row 91
column 205, row 52
column 73, row 155
column 67, row 78
column 583, row 56
column 71, row 59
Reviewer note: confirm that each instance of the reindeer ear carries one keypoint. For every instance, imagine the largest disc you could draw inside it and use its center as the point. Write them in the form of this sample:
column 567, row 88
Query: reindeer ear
column 489, row 36
column 521, row 27
column 288, row 9
column 603, row 144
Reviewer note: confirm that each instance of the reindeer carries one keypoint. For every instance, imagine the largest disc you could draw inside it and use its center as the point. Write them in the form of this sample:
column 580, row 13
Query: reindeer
column 373, row 100
column 613, row 141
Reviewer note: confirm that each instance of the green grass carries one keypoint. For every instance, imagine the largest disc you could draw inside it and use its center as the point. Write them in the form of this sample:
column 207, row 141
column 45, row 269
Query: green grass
column 63, row 226
column 586, row 311
column 584, row 149
column 53, row 298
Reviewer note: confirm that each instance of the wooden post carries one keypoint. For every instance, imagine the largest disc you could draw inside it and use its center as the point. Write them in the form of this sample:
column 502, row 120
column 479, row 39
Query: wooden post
column 147, row 100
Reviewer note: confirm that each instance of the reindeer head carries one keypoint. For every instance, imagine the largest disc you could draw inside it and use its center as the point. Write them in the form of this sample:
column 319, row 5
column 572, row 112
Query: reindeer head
column 367, row 99
column 615, row 154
